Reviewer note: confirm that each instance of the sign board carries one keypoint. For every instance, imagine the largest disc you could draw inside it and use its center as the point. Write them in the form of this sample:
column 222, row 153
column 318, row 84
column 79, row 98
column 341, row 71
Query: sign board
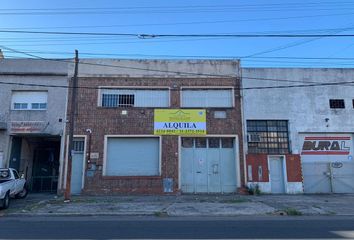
column 94, row 155
column 326, row 147
column 27, row 126
column 179, row 122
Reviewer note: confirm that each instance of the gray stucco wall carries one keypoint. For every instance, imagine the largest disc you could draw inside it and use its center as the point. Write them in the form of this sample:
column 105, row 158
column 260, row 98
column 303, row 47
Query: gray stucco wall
column 306, row 108
column 156, row 68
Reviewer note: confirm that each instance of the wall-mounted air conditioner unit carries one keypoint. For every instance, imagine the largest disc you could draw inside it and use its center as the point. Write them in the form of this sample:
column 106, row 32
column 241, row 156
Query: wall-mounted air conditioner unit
column 253, row 137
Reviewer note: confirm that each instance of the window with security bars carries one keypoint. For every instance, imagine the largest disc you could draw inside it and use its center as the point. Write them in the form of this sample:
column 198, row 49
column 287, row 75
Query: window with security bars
column 113, row 98
column 268, row 136
column 336, row 103
column 78, row 145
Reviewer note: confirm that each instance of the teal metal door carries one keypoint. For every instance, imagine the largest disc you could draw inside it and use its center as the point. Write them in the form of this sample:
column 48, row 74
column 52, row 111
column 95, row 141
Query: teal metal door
column 200, row 166
column 77, row 166
column 276, row 174
column 76, row 174
column 228, row 165
column 214, row 164
column 208, row 165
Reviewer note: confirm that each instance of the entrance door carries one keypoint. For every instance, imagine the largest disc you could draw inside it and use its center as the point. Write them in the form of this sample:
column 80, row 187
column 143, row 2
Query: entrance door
column 77, row 166
column 208, row 165
column 276, row 172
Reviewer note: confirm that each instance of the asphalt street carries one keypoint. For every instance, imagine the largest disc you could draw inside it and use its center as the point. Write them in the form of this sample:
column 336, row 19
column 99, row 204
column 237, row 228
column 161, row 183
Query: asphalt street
column 280, row 227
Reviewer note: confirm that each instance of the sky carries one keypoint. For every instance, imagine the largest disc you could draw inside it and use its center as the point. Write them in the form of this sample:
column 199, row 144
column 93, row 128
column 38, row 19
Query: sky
column 182, row 17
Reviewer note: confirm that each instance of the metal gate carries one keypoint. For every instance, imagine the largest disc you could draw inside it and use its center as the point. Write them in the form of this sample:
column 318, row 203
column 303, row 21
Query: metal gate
column 208, row 165
column 336, row 177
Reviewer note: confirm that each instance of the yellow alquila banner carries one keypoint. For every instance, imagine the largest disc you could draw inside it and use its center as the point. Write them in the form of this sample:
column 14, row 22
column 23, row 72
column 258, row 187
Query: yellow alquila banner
column 179, row 122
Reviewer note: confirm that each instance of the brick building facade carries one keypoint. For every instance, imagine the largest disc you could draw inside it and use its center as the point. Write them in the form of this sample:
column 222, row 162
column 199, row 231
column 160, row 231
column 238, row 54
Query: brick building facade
column 116, row 150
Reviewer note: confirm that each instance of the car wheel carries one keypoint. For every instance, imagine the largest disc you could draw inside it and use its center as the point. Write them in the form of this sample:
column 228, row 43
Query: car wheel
column 23, row 193
column 6, row 201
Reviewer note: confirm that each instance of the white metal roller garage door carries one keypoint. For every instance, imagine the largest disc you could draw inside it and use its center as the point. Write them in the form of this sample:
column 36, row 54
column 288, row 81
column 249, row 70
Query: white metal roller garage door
column 208, row 165
column 327, row 163
column 132, row 156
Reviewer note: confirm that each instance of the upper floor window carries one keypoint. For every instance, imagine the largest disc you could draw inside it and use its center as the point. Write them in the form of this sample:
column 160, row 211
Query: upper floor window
column 336, row 103
column 134, row 98
column 207, row 98
column 29, row 100
column 268, row 136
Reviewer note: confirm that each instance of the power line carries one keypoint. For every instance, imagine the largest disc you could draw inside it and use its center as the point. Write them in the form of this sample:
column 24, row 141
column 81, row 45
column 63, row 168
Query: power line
column 302, row 4
column 180, row 9
column 149, row 36
column 237, row 88
column 71, row 38
column 161, row 71
column 188, row 23
column 187, row 56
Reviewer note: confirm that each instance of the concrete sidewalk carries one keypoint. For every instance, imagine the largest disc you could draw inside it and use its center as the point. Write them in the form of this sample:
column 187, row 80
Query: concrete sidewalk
column 183, row 205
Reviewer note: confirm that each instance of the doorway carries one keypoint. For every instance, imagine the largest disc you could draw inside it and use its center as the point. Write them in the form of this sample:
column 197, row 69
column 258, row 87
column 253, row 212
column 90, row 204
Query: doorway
column 37, row 157
column 276, row 174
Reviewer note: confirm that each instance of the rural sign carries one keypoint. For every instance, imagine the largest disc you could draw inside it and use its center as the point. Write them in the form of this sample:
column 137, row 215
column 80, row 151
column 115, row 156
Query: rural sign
column 326, row 145
column 179, row 122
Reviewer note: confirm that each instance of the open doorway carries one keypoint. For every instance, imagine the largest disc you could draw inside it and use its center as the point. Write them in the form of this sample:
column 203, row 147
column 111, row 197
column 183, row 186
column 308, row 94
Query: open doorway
column 37, row 157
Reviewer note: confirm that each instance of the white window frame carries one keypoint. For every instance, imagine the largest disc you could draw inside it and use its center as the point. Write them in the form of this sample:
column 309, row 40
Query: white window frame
column 29, row 103
column 208, row 88
column 102, row 88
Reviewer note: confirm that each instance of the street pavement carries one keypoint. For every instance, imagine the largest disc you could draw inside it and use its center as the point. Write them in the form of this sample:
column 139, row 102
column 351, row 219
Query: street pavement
column 118, row 227
column 184, row 205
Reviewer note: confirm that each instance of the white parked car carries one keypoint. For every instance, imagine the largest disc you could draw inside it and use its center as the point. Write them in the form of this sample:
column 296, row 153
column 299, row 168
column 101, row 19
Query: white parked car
column 11, row 185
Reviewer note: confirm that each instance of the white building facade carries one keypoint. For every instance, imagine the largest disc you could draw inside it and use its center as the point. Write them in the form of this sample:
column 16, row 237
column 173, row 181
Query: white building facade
column 299, row 125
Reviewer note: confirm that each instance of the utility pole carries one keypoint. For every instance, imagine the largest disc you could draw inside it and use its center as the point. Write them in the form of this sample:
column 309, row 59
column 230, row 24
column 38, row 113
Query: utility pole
column 73, row 87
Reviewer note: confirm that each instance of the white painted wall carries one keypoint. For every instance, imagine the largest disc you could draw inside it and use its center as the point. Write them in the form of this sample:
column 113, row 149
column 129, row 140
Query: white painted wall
column 306, row 108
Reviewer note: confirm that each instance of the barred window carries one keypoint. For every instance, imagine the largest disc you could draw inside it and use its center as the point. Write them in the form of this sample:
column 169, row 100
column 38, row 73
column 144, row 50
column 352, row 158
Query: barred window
column 78, row 144
column 336, row 103
column 268, row 136
column 135, row 98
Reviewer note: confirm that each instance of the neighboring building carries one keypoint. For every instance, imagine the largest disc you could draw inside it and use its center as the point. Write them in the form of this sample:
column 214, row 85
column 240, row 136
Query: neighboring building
column 157, row 126
column 299, row 139
column 32, row 119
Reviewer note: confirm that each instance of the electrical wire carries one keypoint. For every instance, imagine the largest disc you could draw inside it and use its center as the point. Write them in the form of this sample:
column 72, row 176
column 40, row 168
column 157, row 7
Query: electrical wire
column 168, row 71
column 189, row 23
column 185, row 56
column 236, row 88
column 149, row 36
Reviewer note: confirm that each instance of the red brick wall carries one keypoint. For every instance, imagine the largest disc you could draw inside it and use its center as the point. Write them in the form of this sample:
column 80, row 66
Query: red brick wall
column 139, row 121
column 293, row 167
column 256, row 160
